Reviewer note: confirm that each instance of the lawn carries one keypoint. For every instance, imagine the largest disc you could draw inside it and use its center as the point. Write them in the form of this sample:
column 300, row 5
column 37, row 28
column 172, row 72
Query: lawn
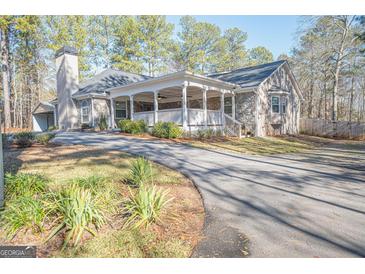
column 174, row 234
column 253, row 145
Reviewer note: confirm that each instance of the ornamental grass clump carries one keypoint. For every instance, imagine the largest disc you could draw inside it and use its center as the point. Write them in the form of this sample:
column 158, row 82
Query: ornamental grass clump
column 141, row 172
column 103, row 123
column 145, row 205
column 24, row 185
column 77, row 211
column 103, row 189
column 23, row 213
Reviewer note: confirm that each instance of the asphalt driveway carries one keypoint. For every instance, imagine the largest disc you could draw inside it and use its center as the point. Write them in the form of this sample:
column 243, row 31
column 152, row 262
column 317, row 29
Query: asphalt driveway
column 304, row 205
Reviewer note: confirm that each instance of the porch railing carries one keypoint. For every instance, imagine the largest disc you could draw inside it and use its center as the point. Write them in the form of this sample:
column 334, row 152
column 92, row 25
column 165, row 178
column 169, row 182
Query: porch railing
column 195, row 118
column 170, row 115
column 147, row 116
column 232, row 126
column 214, row 117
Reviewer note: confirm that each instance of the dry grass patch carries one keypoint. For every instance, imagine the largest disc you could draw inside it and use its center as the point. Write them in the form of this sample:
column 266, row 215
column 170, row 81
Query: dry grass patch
column 254, row 145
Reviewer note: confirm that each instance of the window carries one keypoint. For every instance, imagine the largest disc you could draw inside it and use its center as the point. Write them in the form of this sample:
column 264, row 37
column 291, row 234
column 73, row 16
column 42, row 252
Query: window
column 228, row 105
column 275, row 104
column 283, row 105
column 85, row 112
column 120, row 109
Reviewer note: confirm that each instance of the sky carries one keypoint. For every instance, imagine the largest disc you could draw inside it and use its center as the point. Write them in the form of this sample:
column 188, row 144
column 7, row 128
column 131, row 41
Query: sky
column 277, row 33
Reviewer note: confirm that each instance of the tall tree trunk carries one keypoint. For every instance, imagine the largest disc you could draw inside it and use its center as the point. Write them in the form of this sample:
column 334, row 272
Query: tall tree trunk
column 5, row 77
column 351, row 99
column 338, row 65
column 310, row 103
column 319, row 112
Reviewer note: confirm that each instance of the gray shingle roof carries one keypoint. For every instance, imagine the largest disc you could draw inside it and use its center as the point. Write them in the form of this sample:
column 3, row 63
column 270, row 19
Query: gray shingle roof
column 248, row 76
column 108, row 78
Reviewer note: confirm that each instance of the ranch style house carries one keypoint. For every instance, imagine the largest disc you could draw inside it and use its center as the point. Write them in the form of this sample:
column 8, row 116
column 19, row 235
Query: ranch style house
column 258, row 100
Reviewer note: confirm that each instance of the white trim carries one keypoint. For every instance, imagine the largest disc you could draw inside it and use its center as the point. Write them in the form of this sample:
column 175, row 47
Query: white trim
column 88, row 111
column 85, row 96
column 115, row 109
column 183, row 75
column 271, row 105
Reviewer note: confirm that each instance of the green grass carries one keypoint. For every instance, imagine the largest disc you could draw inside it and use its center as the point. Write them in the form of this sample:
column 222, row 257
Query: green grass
column 254, row 145
column 24, row 185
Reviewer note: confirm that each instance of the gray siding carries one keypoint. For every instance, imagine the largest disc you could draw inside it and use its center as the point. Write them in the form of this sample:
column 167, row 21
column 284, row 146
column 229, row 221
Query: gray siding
column 275, row 124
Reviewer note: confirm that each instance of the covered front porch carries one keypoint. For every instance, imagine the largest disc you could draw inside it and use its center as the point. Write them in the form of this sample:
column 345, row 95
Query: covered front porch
column 191, row 101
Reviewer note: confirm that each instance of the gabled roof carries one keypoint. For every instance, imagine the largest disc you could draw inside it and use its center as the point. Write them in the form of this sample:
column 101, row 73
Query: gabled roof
column 108, row 78
column 248, row 77
column 43, row 107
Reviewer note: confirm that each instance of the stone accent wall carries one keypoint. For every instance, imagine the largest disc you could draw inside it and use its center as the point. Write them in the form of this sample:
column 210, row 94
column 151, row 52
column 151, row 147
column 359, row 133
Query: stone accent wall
column 245, row 110
column 276, row 124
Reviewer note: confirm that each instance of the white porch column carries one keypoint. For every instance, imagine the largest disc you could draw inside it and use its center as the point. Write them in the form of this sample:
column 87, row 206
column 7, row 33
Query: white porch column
column 222, row 107
column 92, row 112
column 184, row 106
column 112, row 112
column 132, row 106
column 155, row 94
column 234, row 106
column 205, row 107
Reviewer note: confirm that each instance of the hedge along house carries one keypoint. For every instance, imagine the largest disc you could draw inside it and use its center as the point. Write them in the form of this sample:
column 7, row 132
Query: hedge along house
column 262, row 100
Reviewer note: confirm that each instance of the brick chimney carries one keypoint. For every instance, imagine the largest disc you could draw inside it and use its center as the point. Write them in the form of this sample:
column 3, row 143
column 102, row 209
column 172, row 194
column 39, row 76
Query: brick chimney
column 67, row 70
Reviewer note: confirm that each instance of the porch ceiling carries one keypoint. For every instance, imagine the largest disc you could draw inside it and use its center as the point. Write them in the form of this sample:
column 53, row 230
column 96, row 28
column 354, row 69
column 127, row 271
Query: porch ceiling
column 172, row 94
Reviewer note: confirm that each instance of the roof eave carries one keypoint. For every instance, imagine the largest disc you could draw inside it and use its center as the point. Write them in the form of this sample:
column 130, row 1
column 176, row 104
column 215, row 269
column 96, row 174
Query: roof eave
column 184, row 75
column 88, row 95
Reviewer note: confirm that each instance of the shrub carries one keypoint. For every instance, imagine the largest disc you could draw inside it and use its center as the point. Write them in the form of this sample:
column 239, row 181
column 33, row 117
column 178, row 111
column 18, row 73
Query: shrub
column 24, row 139
column 144, row 207
column 24, row 185
column 44, row 138
column 78, row 211
column 85, row 126
column 167, row 130
column 7, row 141
column 133, row 127
column 103, row 123
column 52, row 128
column 23, row 213
column 141, row 171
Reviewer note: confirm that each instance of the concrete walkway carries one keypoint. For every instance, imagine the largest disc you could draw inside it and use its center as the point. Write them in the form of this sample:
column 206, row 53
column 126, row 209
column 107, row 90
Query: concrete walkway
column 306, row 205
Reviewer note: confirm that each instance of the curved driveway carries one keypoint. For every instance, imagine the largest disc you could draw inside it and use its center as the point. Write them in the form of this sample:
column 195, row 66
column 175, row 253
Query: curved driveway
column 305, row 205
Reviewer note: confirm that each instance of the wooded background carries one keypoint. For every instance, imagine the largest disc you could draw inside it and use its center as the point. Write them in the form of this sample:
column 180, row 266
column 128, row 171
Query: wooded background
column 328, row 60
